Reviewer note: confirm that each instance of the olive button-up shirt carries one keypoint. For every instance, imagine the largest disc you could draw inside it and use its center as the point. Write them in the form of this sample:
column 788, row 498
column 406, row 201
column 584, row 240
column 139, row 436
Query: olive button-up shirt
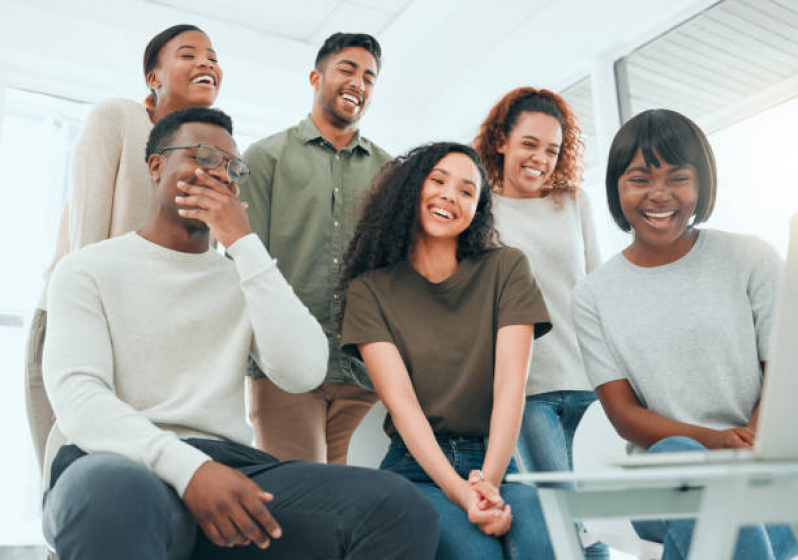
column 304, row 203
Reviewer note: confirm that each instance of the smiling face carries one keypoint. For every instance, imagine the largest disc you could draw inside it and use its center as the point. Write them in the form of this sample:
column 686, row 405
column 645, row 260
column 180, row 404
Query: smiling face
column 530, row 155
column 188, row 72
column 449, row 198
column 343, row 85
column 180, row 165
column 658, row 203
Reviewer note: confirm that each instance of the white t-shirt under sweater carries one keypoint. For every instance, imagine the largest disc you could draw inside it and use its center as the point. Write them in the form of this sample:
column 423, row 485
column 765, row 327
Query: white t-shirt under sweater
column 146, row 345
column 688, row 336
column 561, row 246
column 110, row 188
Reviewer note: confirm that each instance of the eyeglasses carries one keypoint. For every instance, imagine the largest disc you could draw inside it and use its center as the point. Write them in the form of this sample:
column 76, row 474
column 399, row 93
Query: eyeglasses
column 211, row 157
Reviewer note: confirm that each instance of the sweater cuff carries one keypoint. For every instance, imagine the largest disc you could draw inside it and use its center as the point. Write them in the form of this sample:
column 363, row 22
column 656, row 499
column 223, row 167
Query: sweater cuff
column 250, row 256
column 177, row 464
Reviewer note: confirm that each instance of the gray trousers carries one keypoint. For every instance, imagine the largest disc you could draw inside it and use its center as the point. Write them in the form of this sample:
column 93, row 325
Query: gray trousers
column 106, row 506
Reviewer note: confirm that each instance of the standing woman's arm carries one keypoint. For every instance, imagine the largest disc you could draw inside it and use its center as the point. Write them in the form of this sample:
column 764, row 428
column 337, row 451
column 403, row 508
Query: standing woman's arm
column 589, row 237
column 95, row 164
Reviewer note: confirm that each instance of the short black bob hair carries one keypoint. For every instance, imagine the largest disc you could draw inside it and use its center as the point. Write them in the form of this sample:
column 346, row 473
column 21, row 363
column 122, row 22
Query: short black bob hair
column 661, row 133
column 166, row 128
column 337, row 42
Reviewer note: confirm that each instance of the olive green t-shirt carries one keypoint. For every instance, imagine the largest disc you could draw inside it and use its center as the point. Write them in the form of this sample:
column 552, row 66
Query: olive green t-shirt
column 446, row 332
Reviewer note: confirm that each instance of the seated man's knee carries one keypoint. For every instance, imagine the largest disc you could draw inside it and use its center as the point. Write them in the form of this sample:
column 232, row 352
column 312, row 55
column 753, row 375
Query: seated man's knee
column 104, row 492
column 402, row 501
column 676, row 443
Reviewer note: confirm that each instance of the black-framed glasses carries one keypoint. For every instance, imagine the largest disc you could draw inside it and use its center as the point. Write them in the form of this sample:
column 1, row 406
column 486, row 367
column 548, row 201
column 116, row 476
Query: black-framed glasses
column 211, row 157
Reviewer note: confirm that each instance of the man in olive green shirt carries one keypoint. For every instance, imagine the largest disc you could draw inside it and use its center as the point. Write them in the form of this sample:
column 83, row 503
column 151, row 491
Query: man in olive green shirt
column 304, row 196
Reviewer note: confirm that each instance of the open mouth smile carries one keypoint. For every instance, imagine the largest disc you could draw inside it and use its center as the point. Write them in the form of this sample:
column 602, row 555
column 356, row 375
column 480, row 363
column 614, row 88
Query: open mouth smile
column 204, row 79
column 659, row 219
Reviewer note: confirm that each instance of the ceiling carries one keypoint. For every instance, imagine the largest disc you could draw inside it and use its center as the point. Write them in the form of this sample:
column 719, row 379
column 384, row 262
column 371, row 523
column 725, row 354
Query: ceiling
column 713, row 65
column 445, row 61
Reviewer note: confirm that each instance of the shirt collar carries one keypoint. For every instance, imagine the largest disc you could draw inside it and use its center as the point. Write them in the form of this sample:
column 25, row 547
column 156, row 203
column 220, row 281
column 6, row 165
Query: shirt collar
column 309, row 133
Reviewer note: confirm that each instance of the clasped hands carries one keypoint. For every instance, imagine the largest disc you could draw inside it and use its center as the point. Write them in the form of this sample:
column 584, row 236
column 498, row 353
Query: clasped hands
column 484, row 505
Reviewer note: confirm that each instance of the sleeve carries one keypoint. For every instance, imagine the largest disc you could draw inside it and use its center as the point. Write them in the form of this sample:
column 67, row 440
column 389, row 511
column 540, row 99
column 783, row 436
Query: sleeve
column 79, row 377
column 95, row 164
column 257, row 191
column 763, row 288
column 600, row 364
column 589, row 237
column 521, row 302
column 364, row 320
column 288, row 345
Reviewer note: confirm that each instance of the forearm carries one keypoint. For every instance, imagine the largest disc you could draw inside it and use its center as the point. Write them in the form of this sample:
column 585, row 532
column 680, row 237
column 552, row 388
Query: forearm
column 96, row 420
column 513, row 352
column 289, row 345
column 412, row 425
column 644, row 427
column 505, row 424
column 95, row 161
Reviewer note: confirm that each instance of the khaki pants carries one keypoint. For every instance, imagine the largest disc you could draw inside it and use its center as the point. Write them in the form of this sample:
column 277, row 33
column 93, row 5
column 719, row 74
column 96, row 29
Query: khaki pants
column 40, row 413
column 315, row 426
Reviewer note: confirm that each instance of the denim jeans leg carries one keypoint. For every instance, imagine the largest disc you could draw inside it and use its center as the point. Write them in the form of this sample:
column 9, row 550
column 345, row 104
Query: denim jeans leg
column 106, row 506
column 528, row 536
column 752, row 541
column 546, row 439
column 460, row 539
column 541, row 442
column 783, row 542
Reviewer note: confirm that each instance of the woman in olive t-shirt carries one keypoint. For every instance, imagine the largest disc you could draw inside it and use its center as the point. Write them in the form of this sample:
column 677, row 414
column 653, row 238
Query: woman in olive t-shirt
column 444, row 318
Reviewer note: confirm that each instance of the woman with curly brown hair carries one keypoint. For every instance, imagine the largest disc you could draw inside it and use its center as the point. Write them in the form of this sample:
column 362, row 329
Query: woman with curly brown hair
column 444, row 317
column 530, row 145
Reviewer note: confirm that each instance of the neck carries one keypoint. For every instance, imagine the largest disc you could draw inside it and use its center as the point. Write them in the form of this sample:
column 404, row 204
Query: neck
column 176, row 236
column 339, row 136
column 645, row 254
column 510, row 192
column 434, row 259
column 163, row 108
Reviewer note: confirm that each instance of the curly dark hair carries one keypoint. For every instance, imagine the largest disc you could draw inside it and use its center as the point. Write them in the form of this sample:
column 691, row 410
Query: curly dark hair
column 386, row 232
column 501, row 120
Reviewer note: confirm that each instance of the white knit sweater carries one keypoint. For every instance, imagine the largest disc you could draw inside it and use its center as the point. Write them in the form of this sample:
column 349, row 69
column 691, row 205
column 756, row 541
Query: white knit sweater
column 110, row 183
column 560, row 243
column 146, row 345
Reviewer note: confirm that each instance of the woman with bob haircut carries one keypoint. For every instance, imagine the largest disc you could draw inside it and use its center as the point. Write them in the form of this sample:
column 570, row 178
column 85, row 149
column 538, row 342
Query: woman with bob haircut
column 444, row 318
column 531, row 148
column 108, row 193
column 675, row 330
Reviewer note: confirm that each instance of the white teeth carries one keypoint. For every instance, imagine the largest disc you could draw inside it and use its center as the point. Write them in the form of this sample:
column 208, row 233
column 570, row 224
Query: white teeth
column 351, row 98
column 205, row 79
column 660, row 214
column 535, row 172
column 442, row 212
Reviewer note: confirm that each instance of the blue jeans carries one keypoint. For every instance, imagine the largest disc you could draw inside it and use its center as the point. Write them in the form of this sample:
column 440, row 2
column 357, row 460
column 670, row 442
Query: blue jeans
column 460, row 539
column 547, row 438
column 103, row 506
column 754, row 542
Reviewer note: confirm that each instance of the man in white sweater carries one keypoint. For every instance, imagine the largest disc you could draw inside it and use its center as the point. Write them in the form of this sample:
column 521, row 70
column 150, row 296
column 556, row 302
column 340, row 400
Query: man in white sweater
column 149, row 336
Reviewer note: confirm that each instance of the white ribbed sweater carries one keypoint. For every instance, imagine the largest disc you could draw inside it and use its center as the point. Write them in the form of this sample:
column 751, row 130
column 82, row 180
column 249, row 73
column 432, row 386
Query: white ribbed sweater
column 110, row 184
column 146, row 345
column 560, row 244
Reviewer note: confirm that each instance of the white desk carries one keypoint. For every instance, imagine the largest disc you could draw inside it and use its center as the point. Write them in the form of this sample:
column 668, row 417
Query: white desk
column 721, row 497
